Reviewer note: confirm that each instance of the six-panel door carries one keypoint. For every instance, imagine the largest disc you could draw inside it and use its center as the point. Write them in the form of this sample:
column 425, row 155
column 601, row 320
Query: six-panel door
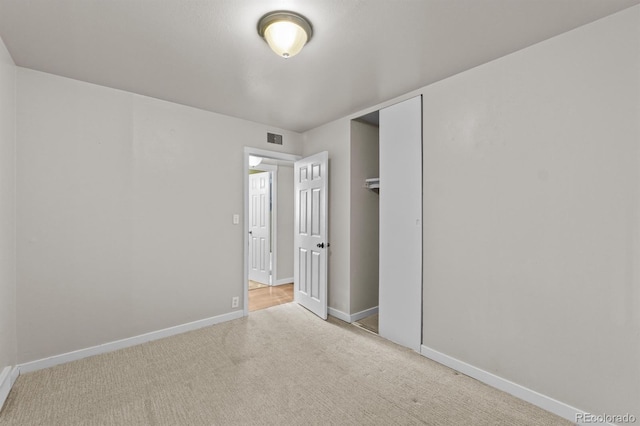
column 310, row 236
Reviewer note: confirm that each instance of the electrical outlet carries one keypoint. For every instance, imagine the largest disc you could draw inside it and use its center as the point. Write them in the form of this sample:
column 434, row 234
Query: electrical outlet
column 235, row 301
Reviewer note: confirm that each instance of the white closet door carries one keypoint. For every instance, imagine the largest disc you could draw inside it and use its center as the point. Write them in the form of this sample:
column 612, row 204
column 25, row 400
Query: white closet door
column 400, row 304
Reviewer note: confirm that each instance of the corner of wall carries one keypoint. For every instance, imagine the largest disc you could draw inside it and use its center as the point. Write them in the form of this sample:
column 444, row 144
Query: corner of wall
column 8, row 377
column 334, row 137
column 8, row 280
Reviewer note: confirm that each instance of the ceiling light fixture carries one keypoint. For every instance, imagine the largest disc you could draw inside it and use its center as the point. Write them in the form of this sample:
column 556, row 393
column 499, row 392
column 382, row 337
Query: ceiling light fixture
column 286, row 32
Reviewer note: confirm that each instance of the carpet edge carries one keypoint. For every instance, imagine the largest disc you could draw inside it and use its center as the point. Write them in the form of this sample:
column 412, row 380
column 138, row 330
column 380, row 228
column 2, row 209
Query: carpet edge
column 545, row 402
column 125, row 343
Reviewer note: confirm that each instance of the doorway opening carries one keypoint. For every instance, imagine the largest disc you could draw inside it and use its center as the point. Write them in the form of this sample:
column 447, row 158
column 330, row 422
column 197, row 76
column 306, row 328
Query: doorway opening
column 268, row 260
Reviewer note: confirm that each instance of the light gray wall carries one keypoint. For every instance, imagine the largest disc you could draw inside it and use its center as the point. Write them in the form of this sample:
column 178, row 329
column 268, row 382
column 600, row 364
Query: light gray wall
column 7, row 210
column 285, row 222
column 532, row 216
column 125, row 208
column 334, row 137
column 364, row 217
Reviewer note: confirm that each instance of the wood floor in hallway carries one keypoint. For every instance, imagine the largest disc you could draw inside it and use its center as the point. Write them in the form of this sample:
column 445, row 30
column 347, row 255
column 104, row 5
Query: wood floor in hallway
column 265, row 297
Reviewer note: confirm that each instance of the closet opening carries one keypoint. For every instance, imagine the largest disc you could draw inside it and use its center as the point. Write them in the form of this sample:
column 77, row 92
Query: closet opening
column 386, row 222
column 365, row 221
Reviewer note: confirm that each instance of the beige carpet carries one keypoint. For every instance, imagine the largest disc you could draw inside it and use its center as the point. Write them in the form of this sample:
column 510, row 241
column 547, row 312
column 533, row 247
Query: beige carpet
column 279, row 366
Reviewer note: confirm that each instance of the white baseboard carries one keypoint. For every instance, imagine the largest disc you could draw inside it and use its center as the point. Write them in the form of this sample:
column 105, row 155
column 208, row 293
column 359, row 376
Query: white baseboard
column 339, row 314
column 353, row 317
column 125, row 343
column 8, row 377
column 283, row 281
column 363, row 314
column 547, row 403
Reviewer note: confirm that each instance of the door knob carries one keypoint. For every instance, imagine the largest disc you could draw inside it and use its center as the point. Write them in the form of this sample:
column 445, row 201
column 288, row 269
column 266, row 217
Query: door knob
column 320, row 245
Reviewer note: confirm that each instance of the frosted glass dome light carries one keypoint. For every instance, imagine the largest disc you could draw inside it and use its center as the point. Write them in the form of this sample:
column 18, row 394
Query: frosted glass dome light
column 285, row 32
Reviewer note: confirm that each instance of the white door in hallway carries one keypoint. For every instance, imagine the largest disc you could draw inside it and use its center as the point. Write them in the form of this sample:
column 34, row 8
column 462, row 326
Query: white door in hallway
column 311, row 183
column 260, row 227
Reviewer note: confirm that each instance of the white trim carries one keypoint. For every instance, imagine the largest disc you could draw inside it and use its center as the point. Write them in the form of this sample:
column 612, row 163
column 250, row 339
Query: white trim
column 245, row 237
column 363, row 314
column 283, row 281
column 352, row 317
column 545, row 402
column 339, row 314
column 274, row 226
column 269, row 154
column 7, row 379
column 125, row 343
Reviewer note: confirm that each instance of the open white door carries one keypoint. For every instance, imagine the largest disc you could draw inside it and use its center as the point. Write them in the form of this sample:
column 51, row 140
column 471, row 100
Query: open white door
column 259, row 227
column 311, row 184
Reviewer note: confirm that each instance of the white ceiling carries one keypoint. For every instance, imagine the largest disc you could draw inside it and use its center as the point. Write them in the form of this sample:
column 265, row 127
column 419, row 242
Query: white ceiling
column 207, row 53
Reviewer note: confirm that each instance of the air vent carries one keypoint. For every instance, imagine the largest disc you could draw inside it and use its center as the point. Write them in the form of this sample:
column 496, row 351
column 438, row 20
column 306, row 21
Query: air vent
column 273, row 138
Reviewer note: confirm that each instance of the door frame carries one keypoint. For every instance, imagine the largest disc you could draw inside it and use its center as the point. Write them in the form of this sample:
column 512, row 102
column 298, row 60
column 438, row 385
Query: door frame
column 245, row 235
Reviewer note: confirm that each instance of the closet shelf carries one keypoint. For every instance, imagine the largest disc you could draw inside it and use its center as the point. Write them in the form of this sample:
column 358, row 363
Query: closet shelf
column 372, row 183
